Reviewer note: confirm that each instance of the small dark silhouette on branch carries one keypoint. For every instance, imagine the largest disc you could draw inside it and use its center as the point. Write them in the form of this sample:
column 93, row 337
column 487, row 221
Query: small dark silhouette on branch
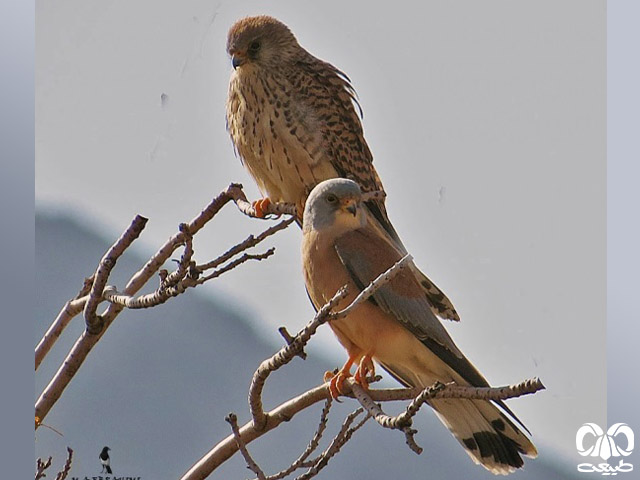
column 105, row 461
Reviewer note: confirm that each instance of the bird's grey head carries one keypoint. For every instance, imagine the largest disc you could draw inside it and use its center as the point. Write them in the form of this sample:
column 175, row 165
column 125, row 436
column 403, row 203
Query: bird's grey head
column 261, row 41
column 335, row 203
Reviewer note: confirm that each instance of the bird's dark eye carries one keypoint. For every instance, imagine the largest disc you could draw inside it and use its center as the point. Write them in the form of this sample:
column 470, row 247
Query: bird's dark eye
column 331, row 198
column 254, row 46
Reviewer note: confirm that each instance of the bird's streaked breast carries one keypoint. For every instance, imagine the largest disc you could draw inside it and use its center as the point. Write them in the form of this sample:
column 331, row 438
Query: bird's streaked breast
column 277, row 136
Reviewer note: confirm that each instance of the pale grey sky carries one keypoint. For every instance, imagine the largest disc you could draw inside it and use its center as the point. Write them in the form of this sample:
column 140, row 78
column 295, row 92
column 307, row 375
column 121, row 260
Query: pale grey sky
column 487, row 125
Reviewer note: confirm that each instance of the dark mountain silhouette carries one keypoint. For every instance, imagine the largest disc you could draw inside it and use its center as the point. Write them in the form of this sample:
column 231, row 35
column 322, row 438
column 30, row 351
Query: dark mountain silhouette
column 158, row 385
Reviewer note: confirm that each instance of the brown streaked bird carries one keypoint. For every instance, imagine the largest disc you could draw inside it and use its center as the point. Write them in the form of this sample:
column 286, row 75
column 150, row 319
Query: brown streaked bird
column 396, row 326
column 293, row 121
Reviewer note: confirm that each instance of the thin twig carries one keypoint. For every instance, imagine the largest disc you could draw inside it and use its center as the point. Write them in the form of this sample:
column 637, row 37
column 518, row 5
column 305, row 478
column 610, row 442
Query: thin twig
column 69, row 310
column 284, row 356
column 343, row 436
column 301, row 461
column 247, row 208
column 163, row 294
column 185, row 260
column 41, row 467
column 188, row 274
column 249, row 432
column 289, row 339
column 249, row 242
column 62, row 474
column 86, row 287
column 238, row 261
column 419, row 397
column 383, row 419
column 93, row 321
column 378, row 282
column 452, row 390
column 253, row 466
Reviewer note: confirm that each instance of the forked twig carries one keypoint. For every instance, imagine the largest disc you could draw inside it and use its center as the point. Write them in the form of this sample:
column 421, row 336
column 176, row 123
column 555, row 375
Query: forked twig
column 95, row 289
column 232, row 419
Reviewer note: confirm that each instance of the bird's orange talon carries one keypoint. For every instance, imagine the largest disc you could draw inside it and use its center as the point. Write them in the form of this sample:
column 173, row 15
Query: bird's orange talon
column 261, row 206
column 365, row 369
column 336, row 379
column 336, row 383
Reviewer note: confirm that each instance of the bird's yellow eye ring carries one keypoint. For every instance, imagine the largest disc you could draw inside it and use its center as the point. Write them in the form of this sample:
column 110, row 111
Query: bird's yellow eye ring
column 331, row 198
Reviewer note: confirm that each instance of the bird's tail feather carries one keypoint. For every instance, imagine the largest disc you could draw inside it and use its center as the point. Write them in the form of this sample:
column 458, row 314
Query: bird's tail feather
column 486, row 434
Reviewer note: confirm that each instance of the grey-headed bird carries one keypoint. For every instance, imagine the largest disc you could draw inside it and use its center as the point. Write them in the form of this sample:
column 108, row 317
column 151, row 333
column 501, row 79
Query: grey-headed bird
column 397, row 327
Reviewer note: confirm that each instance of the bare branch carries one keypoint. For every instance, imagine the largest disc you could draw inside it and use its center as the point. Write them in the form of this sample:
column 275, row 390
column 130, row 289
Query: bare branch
column 97, row 324
column 41, row 467
column 419, row 397
column 235, row 263
column 289, row 339
column 285, row 412
column 93, row 321
column 343, row 436
column 249, row 432
column 164, row 293
column 284, row 356
column 187, row 274
column 452, row 390
column 247, row 208
column 185, row 260
column 250, row 241
column 86, row 287
column 253, row 466
column 62, row 474
column 301, row 462
column 400, row 422
column 70, row 310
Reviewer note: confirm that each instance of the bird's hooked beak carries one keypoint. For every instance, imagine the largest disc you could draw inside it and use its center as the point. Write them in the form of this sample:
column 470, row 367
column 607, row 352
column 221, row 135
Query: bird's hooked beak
column 237, row 59
column 351, row 206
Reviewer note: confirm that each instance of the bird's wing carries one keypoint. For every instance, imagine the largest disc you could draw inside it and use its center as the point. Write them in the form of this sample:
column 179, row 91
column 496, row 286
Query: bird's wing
column 349, row 154
column 334, row 100
column 365, row 255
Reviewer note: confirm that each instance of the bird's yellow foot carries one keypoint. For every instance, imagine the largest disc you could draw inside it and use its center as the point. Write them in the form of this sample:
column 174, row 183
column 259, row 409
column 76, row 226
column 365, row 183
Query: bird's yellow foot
column 366, row 369
column 261, row 206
